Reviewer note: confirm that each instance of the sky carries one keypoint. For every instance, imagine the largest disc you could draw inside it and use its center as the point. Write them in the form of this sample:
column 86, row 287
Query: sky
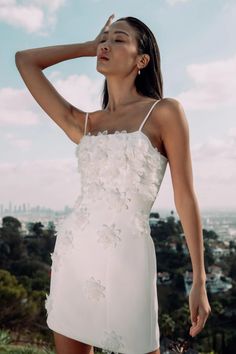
column 197, row 43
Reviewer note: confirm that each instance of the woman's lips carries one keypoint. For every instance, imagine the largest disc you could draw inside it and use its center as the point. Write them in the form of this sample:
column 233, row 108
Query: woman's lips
column 103, row 58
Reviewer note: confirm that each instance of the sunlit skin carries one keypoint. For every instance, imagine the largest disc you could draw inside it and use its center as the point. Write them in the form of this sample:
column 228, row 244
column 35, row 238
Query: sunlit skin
column 124, row 62
column 168, row 129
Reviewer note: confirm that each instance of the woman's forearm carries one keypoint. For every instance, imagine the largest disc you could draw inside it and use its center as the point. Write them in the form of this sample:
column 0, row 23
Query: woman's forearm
column 188, row 211
column 46, row 56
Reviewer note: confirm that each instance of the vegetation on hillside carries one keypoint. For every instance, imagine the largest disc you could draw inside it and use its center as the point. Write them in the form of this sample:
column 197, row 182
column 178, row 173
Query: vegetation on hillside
column 25, row 265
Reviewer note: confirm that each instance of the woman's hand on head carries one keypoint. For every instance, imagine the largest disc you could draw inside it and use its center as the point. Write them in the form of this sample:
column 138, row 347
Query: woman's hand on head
column 97, row 40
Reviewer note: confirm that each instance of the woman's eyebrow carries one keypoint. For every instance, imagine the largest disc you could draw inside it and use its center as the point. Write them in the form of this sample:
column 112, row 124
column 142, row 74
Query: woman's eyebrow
column 106, row 32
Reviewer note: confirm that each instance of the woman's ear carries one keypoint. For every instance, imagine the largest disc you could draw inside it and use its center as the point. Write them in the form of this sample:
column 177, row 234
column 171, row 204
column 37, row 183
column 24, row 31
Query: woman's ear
column 144, row 60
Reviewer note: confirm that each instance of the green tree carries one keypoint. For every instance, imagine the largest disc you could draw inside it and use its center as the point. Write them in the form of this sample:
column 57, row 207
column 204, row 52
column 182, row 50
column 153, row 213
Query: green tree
column 167, row 325
column 210, row 235
column 9, row 222
column 15, row 305
column 35, row 229
column 12, row 243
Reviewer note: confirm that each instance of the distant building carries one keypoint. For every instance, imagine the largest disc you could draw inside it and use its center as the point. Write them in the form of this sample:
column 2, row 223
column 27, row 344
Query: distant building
column 163, row 278
column 215, row 282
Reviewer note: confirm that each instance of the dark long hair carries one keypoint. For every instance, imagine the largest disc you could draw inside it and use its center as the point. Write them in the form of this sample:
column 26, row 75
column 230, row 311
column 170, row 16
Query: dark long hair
column 149, row 83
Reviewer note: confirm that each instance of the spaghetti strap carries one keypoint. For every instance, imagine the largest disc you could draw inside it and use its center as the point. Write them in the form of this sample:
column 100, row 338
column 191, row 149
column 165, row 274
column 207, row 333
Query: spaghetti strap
column 143, row 122
column 86, row 120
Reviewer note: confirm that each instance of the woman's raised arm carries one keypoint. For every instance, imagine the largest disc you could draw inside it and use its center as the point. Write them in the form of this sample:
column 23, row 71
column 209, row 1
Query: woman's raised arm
column 32, row 62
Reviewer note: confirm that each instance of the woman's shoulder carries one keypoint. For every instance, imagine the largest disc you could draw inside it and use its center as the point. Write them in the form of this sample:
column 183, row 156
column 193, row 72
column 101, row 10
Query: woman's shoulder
column 168, row 107
column 169, row 112
column 169, row 102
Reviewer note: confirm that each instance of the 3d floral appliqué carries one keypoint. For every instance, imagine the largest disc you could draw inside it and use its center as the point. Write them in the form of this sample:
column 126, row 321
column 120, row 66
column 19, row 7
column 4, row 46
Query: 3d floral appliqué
column 141, row 221
column 112, row 341
column 109, row 235
column 94, row 289
column 48, row 303
column 56, row 260
column 82, row 216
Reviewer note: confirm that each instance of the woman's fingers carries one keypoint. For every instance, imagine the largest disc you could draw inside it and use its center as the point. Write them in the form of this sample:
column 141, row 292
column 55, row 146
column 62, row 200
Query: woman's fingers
column 109, row 20
column 199, row 309
column 106, row 27
column 200, row 323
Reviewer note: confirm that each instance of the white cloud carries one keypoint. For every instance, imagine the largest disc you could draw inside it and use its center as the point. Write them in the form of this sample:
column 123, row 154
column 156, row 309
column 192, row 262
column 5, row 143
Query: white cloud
column 22, row 144
column 31, row 18
column 35, row 16
column 214, row 174
column 79, row 90
column 217, row 149
column 214, row 85
column 53, row 183
column 19, row 113
column 214, row 170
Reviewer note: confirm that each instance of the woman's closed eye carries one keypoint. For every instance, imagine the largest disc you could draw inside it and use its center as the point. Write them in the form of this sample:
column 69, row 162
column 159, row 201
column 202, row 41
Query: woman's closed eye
column 116, row 40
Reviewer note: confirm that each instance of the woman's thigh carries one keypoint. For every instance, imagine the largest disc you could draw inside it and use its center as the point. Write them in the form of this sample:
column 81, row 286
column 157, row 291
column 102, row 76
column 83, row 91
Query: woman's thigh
column 65, row 345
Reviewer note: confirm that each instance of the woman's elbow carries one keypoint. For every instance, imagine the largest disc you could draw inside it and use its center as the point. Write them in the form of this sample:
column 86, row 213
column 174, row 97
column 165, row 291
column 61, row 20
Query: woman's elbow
column 20, row 56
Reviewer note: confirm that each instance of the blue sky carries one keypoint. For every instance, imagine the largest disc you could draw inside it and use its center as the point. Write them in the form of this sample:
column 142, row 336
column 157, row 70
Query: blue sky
column 198, row 59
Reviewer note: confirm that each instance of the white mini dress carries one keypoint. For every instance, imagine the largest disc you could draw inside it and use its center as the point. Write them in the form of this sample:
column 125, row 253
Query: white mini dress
column 103, row 286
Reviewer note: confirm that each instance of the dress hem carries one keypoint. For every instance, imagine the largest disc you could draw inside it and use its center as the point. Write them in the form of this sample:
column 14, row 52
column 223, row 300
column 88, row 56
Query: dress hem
column 62, row 331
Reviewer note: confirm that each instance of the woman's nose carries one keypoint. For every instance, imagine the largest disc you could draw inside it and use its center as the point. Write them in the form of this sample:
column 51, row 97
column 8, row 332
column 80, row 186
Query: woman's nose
column 105, row 48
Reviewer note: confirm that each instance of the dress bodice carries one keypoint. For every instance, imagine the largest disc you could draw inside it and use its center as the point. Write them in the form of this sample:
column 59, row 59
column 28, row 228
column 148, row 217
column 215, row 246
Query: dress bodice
column 121, row 168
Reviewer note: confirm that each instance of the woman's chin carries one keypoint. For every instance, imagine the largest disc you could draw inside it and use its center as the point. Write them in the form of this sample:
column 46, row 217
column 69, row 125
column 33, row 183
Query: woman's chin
column 101, row 70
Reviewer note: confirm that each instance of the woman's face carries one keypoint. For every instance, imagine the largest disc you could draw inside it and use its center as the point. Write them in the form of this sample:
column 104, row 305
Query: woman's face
column 119, row 45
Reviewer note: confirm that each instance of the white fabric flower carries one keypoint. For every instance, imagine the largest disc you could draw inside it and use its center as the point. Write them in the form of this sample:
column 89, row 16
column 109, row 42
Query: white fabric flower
column 48, row 303
column 94, row 289
column 82, row 215
column 109, row 235
column 112, row 341
column 56, row 260
column 141, row 221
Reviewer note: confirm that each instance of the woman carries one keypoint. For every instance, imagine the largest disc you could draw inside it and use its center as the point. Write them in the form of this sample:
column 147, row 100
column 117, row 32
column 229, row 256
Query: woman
column 103, row 281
